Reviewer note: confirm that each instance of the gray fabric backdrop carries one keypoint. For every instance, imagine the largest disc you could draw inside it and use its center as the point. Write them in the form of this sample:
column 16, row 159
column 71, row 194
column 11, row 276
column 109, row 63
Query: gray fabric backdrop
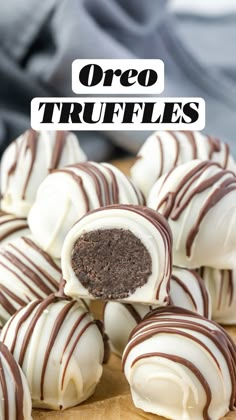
column 40, row 39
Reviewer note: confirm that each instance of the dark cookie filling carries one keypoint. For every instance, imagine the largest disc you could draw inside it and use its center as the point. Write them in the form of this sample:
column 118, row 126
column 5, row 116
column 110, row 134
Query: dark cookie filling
column 111, row 263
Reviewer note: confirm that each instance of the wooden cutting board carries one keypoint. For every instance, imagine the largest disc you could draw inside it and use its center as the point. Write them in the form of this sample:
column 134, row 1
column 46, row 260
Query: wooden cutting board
column 112, row 399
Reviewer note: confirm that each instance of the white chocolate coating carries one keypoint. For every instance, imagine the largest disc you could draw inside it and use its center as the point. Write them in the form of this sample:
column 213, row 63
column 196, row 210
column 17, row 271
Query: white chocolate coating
column 64, row 369
column 181, row 366
column 68, row 194
column 26, row 273
column 221, row 285
column 15, row 398
column 12, row 227
column 199, row 201
column 187, row 290
column 164, row 150
column 154, row 235
column 27, row 161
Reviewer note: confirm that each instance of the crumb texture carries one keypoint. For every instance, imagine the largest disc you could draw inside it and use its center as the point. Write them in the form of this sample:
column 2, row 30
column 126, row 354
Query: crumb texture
column 111, row 263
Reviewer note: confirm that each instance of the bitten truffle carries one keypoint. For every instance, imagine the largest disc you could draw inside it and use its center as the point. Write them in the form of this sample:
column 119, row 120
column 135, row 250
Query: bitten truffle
column 63, row 369
column 181, row 366
column 120, row 252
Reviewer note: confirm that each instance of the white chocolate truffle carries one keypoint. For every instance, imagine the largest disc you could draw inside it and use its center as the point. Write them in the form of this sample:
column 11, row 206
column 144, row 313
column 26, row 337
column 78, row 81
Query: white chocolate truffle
column 221, row 285
column 187, row 290
column 28, row 160
column 69, row 193
column 120, row 252
column 26, row 273
column 14, row 391
column 59, row 348
column 12, row 227
column 199, row 201
column 181, row 366
column 164, row 150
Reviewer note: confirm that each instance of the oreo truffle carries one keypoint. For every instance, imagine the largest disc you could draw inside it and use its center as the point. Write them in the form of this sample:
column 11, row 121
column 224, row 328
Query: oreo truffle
column 12, row 227
column 164, row 150
column 26, row 273
column 14, row 391
column 63, row 369
column 69, row 193
column 187, row 290
column 198, row 200
column 28, row 160
column 181, row 366
column 119, row 252
column 221, row 285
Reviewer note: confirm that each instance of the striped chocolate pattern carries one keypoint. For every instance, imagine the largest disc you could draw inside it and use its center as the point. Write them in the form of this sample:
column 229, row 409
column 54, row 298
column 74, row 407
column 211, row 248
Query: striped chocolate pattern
column 76, row 189
column 12, row 227
column 26, row 273
column 163, row 151
column 28, row 160
column 14, row 391
column 222, row 288
column 185, row 196
column 59, row 361
column 188, row 343
column 187, row 290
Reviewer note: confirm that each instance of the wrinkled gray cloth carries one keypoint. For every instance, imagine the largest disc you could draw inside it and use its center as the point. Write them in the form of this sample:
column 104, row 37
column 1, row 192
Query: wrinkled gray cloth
column 40, row 39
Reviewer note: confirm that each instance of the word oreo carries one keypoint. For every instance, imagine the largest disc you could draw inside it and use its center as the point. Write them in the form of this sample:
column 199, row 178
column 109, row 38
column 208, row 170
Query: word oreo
column 118, row 77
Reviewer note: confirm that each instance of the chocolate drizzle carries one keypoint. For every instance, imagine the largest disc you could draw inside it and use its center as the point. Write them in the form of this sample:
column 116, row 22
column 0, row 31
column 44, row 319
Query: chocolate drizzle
column 175, row 202
column 224, row 287
column 178, row 321
column 11, row 225
column 31, row 145
column 27, row 320
column 54, row 333
column 15, row 383
column 133, row 312
column 60, row 142
column 33, row 278
column 187, row 290
column 105, row 180
column 191, row 367
column 174, row 320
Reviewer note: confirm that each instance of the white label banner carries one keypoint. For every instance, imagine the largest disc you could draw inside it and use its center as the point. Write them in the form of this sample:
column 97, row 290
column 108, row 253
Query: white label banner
column 117, row 113
column 130, row 77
